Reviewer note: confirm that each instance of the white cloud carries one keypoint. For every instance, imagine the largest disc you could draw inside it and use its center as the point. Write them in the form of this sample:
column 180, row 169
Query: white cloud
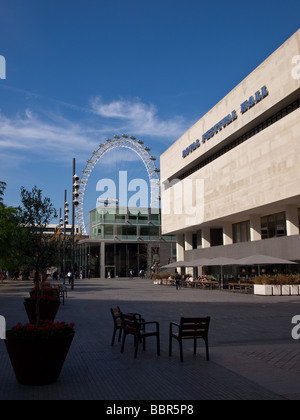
column 28, row 133
column 139, row 117
column 51, row 135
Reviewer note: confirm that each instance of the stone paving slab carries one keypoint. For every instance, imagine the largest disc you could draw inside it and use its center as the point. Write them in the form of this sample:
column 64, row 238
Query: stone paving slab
column 276, row 369
column 253, row 356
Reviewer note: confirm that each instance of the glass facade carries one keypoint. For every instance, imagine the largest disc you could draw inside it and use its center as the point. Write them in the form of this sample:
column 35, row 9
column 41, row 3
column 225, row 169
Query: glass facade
column 122, row 241
column 241, row 232
column 273, row 226
column 126, row 224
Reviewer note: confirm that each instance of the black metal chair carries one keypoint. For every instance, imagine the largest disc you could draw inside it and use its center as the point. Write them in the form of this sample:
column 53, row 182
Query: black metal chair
column 190, row 329
column 137, row 327
column 118, row 323
column 116, row 314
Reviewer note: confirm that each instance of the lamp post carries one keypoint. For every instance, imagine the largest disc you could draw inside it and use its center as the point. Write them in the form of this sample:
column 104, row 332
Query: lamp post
column 75, row 203
column 59, row 233
column 66, row 221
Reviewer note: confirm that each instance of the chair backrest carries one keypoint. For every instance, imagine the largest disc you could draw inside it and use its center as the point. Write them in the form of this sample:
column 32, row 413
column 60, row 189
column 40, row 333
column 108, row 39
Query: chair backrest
column 130, row 324
column 56, row 288
column 116, row 314
column 194, row 327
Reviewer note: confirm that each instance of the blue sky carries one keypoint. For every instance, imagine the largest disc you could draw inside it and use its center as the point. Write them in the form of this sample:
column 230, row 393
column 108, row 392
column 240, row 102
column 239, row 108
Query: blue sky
column 79, row 71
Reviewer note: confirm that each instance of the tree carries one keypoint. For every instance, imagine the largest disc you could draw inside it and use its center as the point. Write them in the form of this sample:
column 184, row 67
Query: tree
column 2, row 189
column 10, row 232
column 40, row 249
column 36, row 211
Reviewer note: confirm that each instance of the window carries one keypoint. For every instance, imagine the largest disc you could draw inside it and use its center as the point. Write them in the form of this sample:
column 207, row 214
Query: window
column 241, row 232
column 127, row 232
column 195, row 241
column 109, row 255
column 216, row 237
column 132, row 218
column 155, row 219
column 120, row 218
column 150, row 232
column 108, row 232
column 143, row 218
column 273, row 226
column 109, row 217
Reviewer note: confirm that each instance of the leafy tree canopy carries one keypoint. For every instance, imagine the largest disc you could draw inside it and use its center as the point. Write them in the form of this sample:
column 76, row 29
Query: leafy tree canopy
column 36, row 211
column 9, row 230
column 23, row 243
column 2, row 189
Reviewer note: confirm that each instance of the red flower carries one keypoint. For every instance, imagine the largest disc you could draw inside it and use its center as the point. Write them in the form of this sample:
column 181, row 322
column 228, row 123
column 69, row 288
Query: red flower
column 45, row 330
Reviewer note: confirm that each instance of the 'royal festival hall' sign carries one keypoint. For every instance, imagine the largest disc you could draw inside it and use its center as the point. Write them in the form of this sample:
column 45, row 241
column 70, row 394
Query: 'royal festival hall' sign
column 245, row 106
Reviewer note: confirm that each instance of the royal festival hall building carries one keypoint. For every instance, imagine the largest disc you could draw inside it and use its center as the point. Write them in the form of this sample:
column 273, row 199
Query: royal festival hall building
column 233, row 188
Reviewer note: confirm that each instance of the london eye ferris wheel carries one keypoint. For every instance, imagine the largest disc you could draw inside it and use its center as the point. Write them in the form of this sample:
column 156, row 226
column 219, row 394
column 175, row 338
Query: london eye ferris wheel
column 119, row 142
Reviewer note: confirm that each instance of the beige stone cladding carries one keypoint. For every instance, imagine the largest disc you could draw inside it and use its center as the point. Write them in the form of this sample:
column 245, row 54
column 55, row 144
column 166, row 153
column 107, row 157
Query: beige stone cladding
column 256, row 174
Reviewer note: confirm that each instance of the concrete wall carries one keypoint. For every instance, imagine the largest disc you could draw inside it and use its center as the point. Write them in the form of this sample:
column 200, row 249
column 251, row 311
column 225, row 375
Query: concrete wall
column 259, row 177
column 284, row 247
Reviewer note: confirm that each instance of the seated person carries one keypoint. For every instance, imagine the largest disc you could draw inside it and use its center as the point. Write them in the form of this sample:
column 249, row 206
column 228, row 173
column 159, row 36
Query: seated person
column 189, row 281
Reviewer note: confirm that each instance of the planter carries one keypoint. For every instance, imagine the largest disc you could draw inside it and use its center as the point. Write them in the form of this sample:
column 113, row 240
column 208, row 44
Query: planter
column 272, row 290
column 38, row 361
column 48, row 310
column 294, row 290
column 286, row 290
column 52, row 293
column 277, row 290
column 263, row 290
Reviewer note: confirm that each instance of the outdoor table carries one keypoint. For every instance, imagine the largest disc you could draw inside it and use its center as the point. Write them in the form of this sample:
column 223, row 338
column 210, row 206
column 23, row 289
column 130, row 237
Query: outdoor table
column 190, row 283
column 209, row 283
column 170, row 282
column 198, row 283
column 242, row 286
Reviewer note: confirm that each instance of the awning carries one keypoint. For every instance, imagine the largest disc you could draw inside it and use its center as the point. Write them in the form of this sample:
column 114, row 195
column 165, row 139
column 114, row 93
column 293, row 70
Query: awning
column 262, row 260
column 195, row 263
column 175, row 264
column 198, row 263
column 222, row 261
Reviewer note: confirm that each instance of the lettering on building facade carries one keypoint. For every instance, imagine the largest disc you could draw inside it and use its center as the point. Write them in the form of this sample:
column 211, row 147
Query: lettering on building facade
column 227, row 120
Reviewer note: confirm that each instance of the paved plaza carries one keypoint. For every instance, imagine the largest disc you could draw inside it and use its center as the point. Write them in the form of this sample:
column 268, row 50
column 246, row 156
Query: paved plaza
column 253, row 355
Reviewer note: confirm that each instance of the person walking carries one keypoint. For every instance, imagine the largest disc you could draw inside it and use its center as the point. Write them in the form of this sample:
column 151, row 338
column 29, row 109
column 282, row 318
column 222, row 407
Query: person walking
column 177, row 280
column 69, row 275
